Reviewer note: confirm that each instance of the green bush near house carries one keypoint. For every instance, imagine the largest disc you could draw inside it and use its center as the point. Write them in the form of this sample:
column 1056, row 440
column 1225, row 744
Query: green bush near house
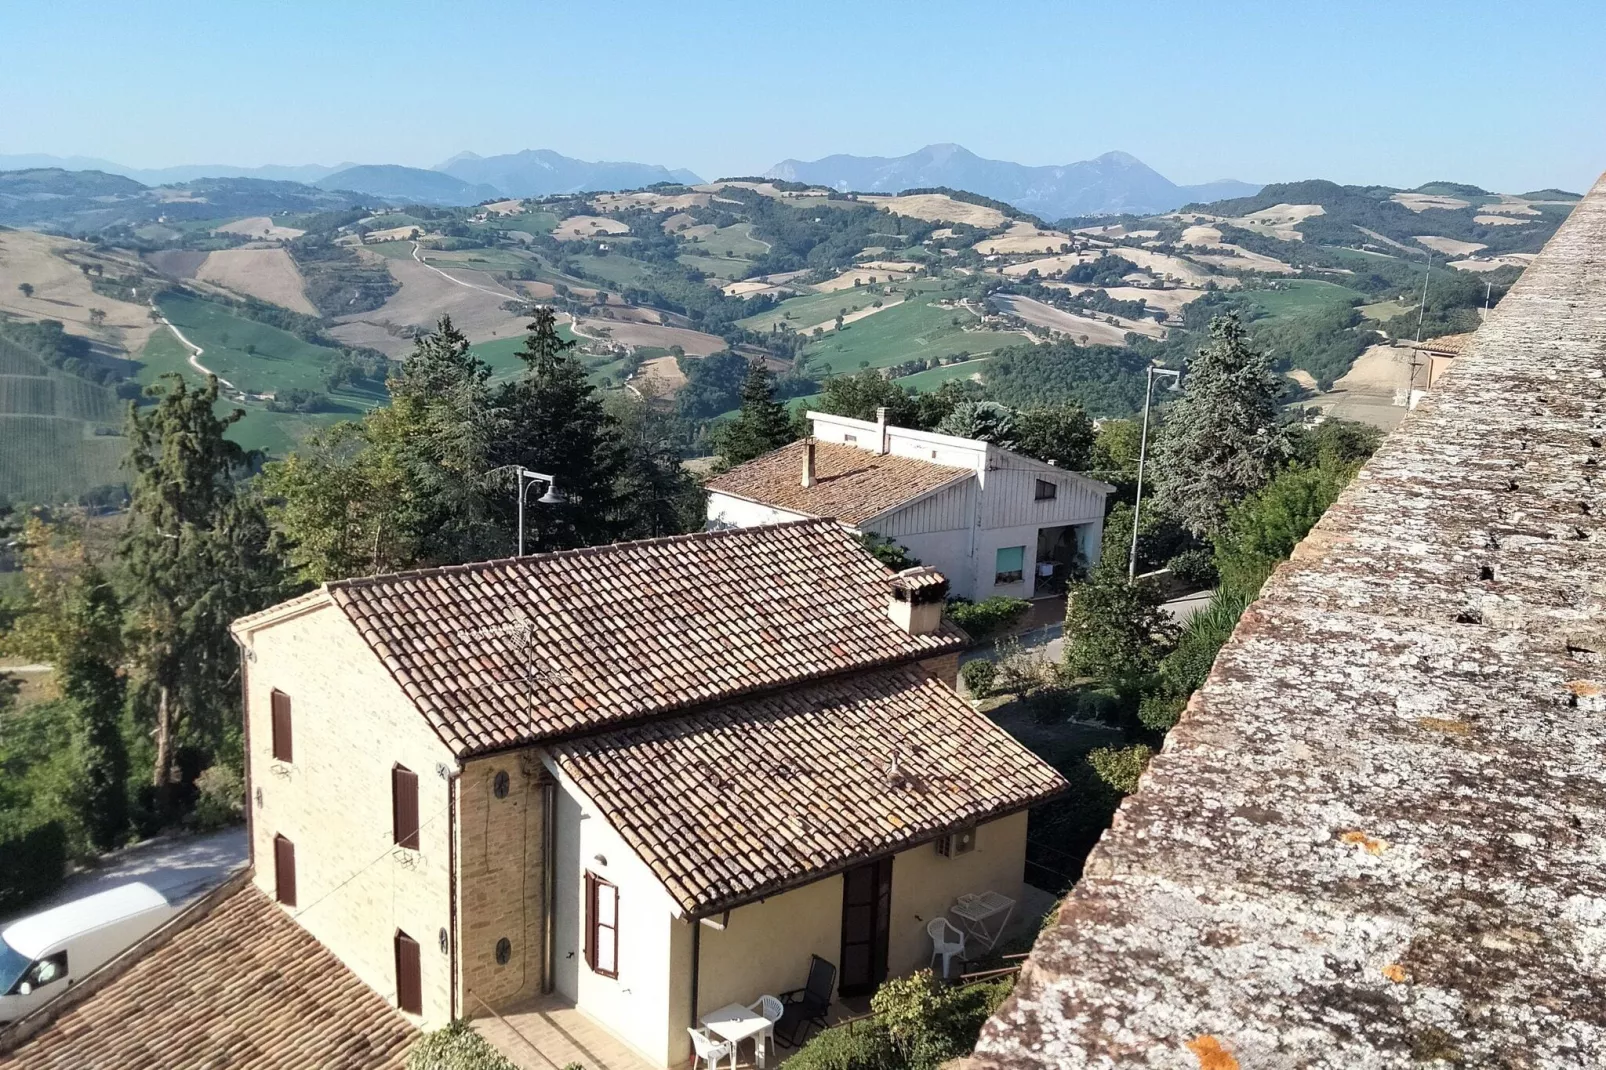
column 919, row 1023
column 456, row 1047
column 978, row 676
column 988, row 617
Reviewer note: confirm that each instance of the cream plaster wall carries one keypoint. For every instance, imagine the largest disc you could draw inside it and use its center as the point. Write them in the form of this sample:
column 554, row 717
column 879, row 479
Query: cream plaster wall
column 351, row 724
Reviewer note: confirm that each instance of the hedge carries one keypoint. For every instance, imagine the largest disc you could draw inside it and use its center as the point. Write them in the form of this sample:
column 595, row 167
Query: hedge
column 33, row 861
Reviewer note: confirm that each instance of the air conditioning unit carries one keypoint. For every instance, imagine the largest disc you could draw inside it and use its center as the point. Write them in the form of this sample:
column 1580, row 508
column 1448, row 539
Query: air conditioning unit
column 957, row 843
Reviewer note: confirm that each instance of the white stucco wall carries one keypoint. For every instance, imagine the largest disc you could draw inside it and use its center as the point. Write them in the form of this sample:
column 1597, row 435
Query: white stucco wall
column 726, row 511
column 925, row 885
column 640, row 1006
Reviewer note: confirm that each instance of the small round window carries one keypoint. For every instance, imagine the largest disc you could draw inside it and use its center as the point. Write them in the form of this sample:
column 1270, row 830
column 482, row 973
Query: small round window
column 499, row 785
column 504, row 951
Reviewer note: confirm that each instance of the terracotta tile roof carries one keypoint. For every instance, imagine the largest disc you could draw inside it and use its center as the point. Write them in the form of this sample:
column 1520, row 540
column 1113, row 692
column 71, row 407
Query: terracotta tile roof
column 1449, row 344
column 509, row 652
column 745, row 800
column 851, row 484
column 243, row 987
column 1375, row 837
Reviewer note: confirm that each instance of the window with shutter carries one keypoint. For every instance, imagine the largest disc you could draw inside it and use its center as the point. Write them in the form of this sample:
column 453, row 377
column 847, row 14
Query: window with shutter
column 409, row 975
column 284, row 871
column 281, row 728
column 602, row 926
column 404, row 806
column 1011, row 564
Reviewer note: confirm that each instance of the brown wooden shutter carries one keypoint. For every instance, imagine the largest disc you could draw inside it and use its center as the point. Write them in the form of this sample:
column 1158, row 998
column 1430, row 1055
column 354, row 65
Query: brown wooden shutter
column 409, row 977
column 404, row 806
column 591, row 921
column 284, row 871
column 282, row 750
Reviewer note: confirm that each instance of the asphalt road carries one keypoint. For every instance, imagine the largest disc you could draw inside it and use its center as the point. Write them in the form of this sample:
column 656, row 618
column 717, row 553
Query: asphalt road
column 180, row 867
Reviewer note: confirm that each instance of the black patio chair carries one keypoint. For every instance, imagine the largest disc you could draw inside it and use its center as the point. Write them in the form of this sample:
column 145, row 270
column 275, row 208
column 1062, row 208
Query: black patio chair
column 806, row 1006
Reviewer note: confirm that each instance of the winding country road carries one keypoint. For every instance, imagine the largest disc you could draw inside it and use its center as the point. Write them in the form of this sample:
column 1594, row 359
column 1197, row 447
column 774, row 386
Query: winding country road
column 196, row 351
column 574, row 324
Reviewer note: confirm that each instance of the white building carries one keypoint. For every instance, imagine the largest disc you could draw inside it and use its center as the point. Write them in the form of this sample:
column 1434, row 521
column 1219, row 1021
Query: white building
column 991, row 520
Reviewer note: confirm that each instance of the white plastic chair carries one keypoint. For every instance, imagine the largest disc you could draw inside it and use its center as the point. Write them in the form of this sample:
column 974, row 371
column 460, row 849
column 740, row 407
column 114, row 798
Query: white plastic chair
column 946, row 941
column 771, row 1008
column 709, row 1050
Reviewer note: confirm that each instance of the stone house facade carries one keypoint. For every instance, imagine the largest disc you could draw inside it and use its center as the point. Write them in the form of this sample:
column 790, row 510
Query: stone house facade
column 637, row 778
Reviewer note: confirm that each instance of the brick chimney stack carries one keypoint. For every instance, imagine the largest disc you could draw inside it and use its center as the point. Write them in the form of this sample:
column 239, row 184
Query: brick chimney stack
column 881, row 428
column 808, row 464
column 918, row 596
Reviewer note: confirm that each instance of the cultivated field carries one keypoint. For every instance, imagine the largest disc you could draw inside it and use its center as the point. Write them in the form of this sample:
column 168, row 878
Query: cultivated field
column 252, row 356
column 266, row 274
column 1494, row 263
column 259, row 226
column 1499, row 220
column 695, row 343
column 939, row 208
column 655, row 202
column 588, row 226
column 61, row 290
column 1172, row 300
column 177, row 263
column 860, row 276
column 1094, row 330
column 913, row 330
column 1421, row 202
column 1449, row 246
column 1022, row 237
column 472, row 298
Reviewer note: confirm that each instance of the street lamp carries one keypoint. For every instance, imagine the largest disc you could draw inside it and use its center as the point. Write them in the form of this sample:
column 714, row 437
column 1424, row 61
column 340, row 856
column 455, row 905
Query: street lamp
column 528, row 479
column 1143, row 456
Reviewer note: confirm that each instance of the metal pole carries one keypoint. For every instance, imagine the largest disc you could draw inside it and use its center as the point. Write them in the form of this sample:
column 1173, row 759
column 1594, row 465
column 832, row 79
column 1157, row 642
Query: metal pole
column 522, row 485
column 1137, row 503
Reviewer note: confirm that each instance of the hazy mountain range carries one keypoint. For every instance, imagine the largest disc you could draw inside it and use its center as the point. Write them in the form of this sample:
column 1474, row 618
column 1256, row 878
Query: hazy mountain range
column 1113, row 183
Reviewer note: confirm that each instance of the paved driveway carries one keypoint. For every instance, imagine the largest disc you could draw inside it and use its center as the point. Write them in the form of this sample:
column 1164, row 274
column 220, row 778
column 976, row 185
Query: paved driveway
column 180, row 867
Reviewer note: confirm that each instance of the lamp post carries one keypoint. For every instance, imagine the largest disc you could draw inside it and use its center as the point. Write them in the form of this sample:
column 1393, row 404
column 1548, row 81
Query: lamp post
column 1143, row 456
column 528, row 479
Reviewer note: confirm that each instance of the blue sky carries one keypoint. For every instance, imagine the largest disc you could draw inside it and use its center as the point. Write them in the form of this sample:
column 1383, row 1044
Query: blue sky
column 1511, row 97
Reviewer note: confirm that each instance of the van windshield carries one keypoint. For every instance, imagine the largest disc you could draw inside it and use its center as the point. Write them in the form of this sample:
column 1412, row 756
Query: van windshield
column 13, row 964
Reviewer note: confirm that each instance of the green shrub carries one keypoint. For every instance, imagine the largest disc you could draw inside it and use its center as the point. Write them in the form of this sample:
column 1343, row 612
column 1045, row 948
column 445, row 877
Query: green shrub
column 861, row 1046
column 33, row 860
column 1194, row 569
column 456, row 1047
column 978, row 676
column 1120, row 767
column 987, row 617
column 930, row 1022
column 220, row 798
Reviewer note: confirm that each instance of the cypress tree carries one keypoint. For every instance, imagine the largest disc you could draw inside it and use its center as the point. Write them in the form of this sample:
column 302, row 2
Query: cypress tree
column 762, row 424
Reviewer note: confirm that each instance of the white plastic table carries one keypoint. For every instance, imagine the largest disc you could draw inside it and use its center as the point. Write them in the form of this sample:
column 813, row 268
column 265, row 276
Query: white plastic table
column 736, row 1023
column 983, row 917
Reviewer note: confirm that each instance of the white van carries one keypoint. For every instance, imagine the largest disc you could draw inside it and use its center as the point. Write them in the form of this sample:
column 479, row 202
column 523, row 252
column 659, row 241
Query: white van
column 42, row 954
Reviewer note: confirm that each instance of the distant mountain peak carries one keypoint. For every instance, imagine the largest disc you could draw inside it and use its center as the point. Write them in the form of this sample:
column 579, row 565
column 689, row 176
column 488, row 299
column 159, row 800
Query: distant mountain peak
column 1112, row 183
column 540, row 172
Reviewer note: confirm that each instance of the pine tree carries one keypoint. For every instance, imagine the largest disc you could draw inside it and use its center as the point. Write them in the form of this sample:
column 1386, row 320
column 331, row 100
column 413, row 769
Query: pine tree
column 404, row 487
column 556, row 424
column 197, row 553
column 656, row 494
column 762, row 424
column 1224, row 438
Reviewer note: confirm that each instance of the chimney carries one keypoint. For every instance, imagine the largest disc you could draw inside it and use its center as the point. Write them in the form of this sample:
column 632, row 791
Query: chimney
column 881, row 429
column 808, row 463
column 917, row 599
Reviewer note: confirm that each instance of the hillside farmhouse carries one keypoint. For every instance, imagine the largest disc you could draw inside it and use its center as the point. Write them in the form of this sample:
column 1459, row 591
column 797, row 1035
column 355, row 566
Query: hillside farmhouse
column 645, row 780
column 993, row 521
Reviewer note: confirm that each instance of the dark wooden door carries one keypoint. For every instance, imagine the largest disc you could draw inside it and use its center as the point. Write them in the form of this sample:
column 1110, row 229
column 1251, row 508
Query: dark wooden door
column 284, row 871
column 866, row 914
